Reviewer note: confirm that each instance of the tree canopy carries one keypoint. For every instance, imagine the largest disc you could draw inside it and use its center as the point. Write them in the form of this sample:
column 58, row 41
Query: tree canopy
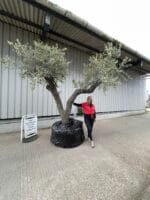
column 41, row 61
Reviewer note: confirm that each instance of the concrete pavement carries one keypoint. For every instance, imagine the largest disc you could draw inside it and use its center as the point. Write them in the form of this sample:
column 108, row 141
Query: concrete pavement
column 118, row 168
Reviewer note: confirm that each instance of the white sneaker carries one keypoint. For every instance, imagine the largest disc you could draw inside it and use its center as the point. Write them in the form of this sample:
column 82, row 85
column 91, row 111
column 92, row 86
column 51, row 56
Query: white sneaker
column 92, row 144
column 89, row 139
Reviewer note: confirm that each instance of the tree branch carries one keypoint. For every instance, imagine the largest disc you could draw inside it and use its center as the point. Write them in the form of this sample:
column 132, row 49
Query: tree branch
column 77, row 92
column 85, row 90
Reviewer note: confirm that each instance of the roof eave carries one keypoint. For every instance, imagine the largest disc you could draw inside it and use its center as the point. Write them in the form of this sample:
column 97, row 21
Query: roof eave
column 80, row 23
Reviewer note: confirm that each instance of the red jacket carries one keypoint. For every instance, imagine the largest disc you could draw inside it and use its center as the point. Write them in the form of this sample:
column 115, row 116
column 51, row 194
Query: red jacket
column 87, row 109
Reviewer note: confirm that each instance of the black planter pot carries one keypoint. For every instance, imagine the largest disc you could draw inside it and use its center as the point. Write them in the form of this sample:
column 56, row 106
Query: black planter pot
column 69, row 135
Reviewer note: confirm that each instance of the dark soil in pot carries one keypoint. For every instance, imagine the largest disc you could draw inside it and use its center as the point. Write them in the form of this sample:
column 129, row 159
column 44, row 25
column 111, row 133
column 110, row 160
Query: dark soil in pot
column 68, row 135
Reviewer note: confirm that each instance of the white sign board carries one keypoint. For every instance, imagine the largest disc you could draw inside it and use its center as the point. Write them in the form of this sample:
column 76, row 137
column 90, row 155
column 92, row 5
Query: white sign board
column 28, row 126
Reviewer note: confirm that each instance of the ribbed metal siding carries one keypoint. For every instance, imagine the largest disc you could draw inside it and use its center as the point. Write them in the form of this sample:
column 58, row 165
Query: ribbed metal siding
column 128, row 96
column 17, row 98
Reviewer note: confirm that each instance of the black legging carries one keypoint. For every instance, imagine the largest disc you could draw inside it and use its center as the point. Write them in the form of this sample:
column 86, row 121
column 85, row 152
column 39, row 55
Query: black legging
column 89, row 124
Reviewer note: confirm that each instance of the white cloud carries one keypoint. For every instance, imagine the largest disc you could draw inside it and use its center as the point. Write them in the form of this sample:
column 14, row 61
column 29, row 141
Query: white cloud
column 127, row 21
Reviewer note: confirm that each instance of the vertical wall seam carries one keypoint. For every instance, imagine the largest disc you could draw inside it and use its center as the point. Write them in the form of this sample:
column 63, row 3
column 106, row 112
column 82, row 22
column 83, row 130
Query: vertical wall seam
column 37, row 99
column 2, row 45
column 27, row 97
column 9, row 28
column 27, row 85
column 30, row 86
column 47, row 101
column 15, row 80
column 22, row 38
column 42, row 100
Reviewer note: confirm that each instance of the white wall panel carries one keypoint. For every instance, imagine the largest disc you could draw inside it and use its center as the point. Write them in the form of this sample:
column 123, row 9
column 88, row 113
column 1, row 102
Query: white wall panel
column 17, row 98
column 5, row 73
column 18, row 86
column 1, row 54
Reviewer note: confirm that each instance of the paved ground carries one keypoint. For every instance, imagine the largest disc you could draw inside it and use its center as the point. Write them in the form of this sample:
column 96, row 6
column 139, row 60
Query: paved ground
column 117, row 169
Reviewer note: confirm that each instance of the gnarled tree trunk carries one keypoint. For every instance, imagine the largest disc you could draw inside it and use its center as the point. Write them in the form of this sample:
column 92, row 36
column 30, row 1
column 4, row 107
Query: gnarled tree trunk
column 65, row 113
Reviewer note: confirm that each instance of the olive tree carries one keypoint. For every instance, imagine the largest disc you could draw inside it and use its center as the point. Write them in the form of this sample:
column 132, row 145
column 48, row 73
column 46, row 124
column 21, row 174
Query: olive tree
column 45, row 64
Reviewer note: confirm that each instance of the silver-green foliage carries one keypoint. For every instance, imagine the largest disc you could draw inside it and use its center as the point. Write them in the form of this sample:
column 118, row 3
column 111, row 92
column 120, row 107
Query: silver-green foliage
column 106, row 68
column 41, row 61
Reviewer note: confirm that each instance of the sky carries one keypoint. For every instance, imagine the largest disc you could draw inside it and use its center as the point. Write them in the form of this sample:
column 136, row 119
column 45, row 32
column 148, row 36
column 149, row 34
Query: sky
column 125, row 20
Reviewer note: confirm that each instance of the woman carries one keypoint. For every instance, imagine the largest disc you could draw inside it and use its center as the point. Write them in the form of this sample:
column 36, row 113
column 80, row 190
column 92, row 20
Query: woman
column 89, row 116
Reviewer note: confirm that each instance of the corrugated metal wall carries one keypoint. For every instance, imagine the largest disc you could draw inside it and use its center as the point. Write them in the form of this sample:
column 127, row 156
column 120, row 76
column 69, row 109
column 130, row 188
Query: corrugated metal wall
column 17, row 98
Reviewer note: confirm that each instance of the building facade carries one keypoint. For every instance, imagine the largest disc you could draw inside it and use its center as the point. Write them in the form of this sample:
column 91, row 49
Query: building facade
column 18, row 99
